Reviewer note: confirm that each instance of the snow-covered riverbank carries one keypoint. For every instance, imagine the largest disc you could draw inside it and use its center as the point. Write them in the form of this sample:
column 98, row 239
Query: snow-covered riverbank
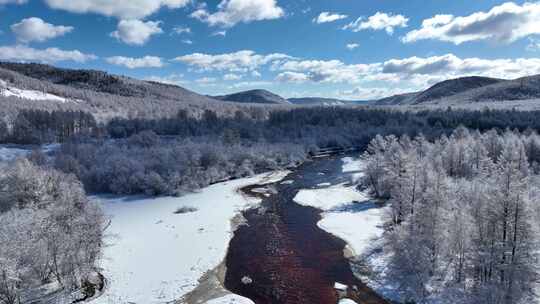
column 154, row 255
column 349, row 214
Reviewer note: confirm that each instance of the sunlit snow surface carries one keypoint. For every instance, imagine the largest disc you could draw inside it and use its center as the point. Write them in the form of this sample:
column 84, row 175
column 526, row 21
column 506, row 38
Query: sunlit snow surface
column 230, row 299
column 8, row 91
column 348, row 213
column 156, row 256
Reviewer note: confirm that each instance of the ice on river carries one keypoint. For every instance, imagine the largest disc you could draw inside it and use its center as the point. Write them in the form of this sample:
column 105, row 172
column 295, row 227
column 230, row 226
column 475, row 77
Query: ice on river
column 230, row 299
column 156, row 256
column 348, row 212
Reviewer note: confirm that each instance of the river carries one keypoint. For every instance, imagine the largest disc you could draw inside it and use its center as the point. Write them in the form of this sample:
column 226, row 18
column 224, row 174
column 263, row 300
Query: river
column 281, row 256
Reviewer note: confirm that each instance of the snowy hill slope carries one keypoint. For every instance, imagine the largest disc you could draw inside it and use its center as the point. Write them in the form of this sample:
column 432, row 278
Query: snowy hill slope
column 454, row 86
column 468, row 90
column 8, row 91
column 254, row 96
column 96, row 92
column 99, row 81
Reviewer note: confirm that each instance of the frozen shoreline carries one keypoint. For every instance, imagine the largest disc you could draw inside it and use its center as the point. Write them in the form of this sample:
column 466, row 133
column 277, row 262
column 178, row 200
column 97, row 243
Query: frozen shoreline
column 153, row 255
column 350, row 215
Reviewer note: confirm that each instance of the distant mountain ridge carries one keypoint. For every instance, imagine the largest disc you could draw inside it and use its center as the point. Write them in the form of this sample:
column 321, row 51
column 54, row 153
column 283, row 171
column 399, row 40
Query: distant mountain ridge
column 470, row 89
column 254, row 96
column 99, row 81
column 45, row 87
column 320, row 101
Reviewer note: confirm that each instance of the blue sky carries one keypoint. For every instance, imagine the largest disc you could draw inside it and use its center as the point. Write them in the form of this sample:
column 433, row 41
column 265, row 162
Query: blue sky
column 341, row 48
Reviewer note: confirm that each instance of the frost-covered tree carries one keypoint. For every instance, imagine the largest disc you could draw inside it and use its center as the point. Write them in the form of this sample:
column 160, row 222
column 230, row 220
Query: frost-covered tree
column 50, row 231
column 464, row 214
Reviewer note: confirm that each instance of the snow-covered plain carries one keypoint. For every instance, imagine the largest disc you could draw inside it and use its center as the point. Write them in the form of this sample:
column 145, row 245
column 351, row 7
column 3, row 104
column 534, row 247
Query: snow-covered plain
column 157, row 256
column 230, row 299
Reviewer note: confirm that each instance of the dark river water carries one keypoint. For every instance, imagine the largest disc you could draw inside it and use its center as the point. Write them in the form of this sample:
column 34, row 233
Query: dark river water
column 282, row 256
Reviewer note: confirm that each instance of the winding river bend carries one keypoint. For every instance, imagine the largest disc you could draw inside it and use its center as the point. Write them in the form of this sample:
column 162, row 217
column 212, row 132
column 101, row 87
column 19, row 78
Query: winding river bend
column 282, row 256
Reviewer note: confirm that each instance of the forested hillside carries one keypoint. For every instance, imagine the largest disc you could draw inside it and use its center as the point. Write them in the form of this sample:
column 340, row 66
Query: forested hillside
column 254, row 96
column 99, row 93
column 464, row 214
column 469, row 90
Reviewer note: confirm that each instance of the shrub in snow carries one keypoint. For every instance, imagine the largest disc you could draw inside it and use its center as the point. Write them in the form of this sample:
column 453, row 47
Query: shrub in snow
column 185, row 209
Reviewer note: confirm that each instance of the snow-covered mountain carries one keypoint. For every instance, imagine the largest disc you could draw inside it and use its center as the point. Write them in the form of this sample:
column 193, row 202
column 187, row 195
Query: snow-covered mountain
column 102, row 94
column 469, row 90
column 254, row 96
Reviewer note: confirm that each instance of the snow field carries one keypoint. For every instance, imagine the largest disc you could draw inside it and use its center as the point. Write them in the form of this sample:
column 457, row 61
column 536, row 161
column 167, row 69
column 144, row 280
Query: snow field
column 156, row 256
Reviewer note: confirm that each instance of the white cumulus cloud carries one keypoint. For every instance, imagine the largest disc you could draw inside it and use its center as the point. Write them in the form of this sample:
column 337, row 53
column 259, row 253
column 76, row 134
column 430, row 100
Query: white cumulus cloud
column 231, row 12
column 232, row 77
column 414, row 72
column 179, row 30
column 241, row 61
column 136, row 32
column 206, row 80
column 352, row 46
column 35, row 29
column 379, row 21
column 451, row 66
column 330, row 71
column 48, row 55
column 220, row 33
column 505, row 23
column 123, row 9
column 293, row 77
column 134, row 63
column 174, row 79
column 326, row 17
column 2, row 2
column 534, row 45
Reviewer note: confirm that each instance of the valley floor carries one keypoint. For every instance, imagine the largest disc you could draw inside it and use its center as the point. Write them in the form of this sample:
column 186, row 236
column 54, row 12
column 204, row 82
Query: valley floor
column 154, row 255
column 351, row 215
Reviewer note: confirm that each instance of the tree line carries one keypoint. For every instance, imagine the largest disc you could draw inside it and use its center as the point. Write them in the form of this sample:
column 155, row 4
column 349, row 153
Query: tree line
column 31, row 127
column 153, row 165
column 183, row 153
column 326, row 126
column 464, row 214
